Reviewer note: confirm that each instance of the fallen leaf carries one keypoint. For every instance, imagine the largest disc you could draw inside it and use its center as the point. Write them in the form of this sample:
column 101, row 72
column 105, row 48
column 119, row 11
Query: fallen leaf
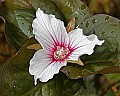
column 36, row 46
column 76, row 62
column 71, row 25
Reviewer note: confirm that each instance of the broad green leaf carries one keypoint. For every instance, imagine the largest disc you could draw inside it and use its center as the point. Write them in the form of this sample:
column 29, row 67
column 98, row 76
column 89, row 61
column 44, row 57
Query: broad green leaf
column 53, row 87
column 106, row 58
column 69, row 87
column 15, row 75
column 77, row 88
column 83, row 92
column 73, row 8
column 19, row 15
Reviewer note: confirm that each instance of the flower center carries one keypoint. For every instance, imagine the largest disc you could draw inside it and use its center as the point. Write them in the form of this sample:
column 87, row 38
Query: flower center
column 61, row 53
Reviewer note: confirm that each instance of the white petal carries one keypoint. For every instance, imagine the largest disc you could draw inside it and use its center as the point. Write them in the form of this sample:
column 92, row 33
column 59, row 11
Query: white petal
column 48, row 30
column 82, row 44
column 42, row 68
column 39, row 62
column 52, row 69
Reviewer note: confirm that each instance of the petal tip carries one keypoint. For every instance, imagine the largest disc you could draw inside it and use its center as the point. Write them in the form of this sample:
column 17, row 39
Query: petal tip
column 35, row 80
column 51, row 74
column 101, row 42
column 39, row 10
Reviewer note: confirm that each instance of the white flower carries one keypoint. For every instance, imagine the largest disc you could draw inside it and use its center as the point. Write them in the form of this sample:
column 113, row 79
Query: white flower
column 58, row 46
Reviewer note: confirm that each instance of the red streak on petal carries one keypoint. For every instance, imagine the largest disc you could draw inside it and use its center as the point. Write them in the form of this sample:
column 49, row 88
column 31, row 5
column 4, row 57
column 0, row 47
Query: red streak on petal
column 60, row 53
column 55, row 52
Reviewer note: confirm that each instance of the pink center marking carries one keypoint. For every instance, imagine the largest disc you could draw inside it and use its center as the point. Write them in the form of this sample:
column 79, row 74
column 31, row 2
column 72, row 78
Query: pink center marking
column 61, row 53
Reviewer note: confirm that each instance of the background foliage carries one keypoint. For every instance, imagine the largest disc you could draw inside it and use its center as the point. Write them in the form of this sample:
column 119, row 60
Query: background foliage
column 19, row 14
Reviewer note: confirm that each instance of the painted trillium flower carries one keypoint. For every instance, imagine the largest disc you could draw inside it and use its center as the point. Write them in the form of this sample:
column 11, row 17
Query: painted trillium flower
column 58, row 46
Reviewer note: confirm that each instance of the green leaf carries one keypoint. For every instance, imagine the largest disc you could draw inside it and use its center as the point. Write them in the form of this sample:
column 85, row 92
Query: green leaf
column 76, row 88
column 19, row 15
column 53, row 87
column 73, row 8
column 15, row 75
column 106, row 58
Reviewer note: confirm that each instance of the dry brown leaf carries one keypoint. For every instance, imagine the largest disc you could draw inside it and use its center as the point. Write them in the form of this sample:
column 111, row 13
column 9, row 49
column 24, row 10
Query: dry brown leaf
column 71, row 25
column 36, row 46
column 2, row 24
column 1, row 4
column 76, row 62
